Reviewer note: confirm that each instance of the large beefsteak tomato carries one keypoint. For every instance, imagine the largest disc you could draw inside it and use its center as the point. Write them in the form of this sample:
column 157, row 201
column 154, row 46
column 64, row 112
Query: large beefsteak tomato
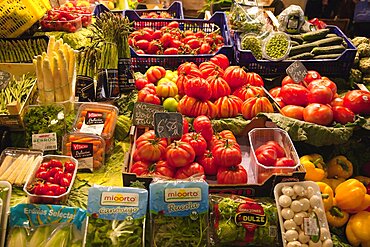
column 294, row 94
column 357, row 101
column 221, row 60
column 254, row 79
column 190, row 170
column 219, row 87
column 235, row 77
column 318, row 114
column 160, row 168
column 208, row 163
column 232, row 175
column 197, row 141
column 248, row 91
column 227, row 153
column 228, row 106
column 202, row 124
column 252, row 106
column 149, row 147
column 210, row 69
column 198, row 88
column 180, row 154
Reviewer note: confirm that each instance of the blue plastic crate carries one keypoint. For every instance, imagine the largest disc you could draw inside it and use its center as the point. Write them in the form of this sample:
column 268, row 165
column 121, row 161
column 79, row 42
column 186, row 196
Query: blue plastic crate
column 339, row 67
column 175, row 10
column 141, row 62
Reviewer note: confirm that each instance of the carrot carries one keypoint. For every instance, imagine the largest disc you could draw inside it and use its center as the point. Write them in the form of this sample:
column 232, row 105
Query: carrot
column 108, row 124
column 97, row 164
column 79, row 125
column 101, row 110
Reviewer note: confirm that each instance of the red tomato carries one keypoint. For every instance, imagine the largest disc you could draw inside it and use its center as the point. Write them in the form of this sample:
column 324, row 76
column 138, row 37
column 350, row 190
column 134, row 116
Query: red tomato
column 40, row 189
column 145, row 96
column 154, row 74
column 190, row 170
column 58, row 176
column 227, row 153
column 197, row 142
column 279, row 101
column 266, row 155
column 160, row 168
column 288, row 80
column 60, row 190
column 248, row 91
column 235, row 76
column 180, row 154
column 140, row 83
column 166, row 40
column 56, row 163
column 221, row 60
column 311, row 76
column 42, row 175
column 171, row 51
column 140, row 52
column 64, row 182
column 320, row 94
column 337, row 102
column 176, row 43
column 280, row 152
column 205, row 48
column 219, row 87
column 358, row 101
column 232, row 175
column 194, row 43
column 185, row 126
column 142, row 44
column 173, row 24
column 254, row 79
column 203, row 125
column 294, row 94
column 157, row 34
column 208, row 163
column 198, row 88
column 324, row 82
column 284, row 162
column 343, row 115
column 293, row 111
column 54, row 170
column 275, row 92
column 149, row 147
column 318, row 114
column 154, row 47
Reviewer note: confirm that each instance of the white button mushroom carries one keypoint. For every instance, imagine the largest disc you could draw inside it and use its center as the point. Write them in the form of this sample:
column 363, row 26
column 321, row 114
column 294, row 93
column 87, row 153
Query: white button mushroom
column 310, row 192
column 294, row 244
column 298, row 218
column 290, row 225
column 291, row 235
column 327, row 243
column 315, row 201
column 287, row 190
column 303, row 238
column 305, row 204
column 287, row 213
column 296, row 206
column 313, row 244
column 320, row 214
column 324, row 234
column 285, row 201
column 299, row 190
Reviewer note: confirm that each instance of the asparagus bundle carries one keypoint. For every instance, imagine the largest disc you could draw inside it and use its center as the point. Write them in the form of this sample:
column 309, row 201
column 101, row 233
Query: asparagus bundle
column 55, row 71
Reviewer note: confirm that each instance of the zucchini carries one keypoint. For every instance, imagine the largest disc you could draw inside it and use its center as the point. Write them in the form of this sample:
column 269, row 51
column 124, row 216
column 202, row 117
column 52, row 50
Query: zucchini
column 295, row 50
column 294, row 43
column 315, row 35
column 302, row 56
column 334, row 49
column 327, row 56
column 296, row 37
column 329, row 41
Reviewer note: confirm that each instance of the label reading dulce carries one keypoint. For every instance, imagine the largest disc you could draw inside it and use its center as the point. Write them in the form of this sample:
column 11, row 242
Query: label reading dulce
column 94, row 123
column 45, row 141
column 121, row 199
column 183, row 194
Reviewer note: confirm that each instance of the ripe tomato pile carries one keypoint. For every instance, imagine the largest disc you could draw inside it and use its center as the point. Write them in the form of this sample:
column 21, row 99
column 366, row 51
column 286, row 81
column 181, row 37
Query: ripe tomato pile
column 272, row 154
column 52, row 178
column 83, row 12
column 170, row 40
column 161, row 14
column 315, row 100
column 201, row 152
column 61, row 21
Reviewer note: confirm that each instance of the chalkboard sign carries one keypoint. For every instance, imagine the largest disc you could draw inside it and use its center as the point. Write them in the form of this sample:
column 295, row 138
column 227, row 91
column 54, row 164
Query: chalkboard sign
column 143, row 114
column 168, row 124
column 4, row 79
column 297, row 71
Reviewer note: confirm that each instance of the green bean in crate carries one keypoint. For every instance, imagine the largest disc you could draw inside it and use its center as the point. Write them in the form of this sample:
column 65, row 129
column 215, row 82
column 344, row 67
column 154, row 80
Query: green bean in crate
column 179, row 213
column 253, row 43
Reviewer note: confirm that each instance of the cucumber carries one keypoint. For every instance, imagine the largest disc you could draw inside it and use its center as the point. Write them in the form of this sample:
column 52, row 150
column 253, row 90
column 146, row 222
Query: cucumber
column 334, row 49
column 315, row 35
column 295, row 50
column 327, row 56
column 294, row 43
column 329, row 41
column 302, row 56
column 296, row 37
column 331, row 35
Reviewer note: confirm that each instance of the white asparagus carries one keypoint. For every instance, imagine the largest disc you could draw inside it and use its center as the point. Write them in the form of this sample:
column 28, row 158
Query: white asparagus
column 71, row 69
column 31, row 168
column 11, row 168
column 17, row 169
column 48, row 82
column 6, row 163
column 23, row 173
column 40, row 78
column 57, row 79
column 63, row 75
column 51, row 45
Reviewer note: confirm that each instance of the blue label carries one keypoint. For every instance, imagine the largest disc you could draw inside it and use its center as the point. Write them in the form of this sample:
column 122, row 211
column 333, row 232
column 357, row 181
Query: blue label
column 35, row 215
column 178, row 198
column 117, row 203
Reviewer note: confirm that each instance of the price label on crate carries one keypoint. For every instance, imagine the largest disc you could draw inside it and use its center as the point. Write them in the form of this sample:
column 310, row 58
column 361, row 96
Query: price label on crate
column 168, row 124
column 4, row 79
column 45, row 141
column 143, row 114
column 297, row 71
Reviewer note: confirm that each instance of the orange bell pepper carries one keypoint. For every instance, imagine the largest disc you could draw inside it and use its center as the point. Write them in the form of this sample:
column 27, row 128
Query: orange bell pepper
column 351, row 196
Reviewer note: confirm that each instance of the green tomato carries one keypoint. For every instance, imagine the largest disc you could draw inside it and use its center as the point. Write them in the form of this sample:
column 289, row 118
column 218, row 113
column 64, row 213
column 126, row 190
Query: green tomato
column 170, row 104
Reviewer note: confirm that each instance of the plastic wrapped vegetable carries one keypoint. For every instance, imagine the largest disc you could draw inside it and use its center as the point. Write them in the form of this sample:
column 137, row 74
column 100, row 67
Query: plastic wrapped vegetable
column 365, row 65
column 291, row 19
column 241, row 221
column 46, row 225
column 116, row 216
column 359, row 40
column 178, row 211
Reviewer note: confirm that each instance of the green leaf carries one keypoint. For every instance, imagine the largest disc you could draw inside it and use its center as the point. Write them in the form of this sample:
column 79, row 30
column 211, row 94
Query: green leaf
column 237, row 125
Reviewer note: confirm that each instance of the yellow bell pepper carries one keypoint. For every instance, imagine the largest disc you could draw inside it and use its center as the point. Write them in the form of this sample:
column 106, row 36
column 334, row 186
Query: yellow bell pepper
column 336, row 217
column 333, row 182
column 358, row 229
column 315, row 167
column 351, row 196
column 327, row 195
column 340, row 167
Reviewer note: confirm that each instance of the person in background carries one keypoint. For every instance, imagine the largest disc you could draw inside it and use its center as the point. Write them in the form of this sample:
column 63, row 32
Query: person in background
column 314, row 8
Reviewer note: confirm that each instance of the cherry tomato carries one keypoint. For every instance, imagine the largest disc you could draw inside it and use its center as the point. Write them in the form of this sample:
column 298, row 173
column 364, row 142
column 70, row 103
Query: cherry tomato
column 58, row 176
column 40, row 189
column 69, row 166
column 64, row 182
column 61, row 190
column 54, row 170
column 43, row 175
column 55, row 163
column 205, row 48
column 171, row 51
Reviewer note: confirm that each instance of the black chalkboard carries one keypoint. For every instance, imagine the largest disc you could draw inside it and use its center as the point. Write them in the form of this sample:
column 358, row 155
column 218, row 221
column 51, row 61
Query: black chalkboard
column 143, row 114
column 297, row 71
column 168, row 124
column 4, row 79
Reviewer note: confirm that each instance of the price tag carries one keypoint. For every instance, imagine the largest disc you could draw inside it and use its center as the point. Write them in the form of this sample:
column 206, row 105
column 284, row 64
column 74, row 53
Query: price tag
column 297, row 71
column 94, row 123
column 45, row 141
column 168, row 124
column 311, row 227
column 84, row 153
column 4, row 79
column 143, row 114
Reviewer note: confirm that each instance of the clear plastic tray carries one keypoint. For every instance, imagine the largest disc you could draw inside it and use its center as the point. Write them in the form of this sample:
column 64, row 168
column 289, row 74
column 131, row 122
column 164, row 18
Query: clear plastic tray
column 5, row 210
column 88, row 149
column 70, row 26
column 314, row 225
column 267, row 40
column 258, row 137
column 45, row 199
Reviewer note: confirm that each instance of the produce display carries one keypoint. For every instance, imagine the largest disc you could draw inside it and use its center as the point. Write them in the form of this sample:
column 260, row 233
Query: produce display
column 361, row 71
column 155, row 15
column 22, row 50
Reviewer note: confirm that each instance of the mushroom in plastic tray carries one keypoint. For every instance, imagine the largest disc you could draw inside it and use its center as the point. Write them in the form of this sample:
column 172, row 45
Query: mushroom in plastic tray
column 52, row 180
column 301, row 214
